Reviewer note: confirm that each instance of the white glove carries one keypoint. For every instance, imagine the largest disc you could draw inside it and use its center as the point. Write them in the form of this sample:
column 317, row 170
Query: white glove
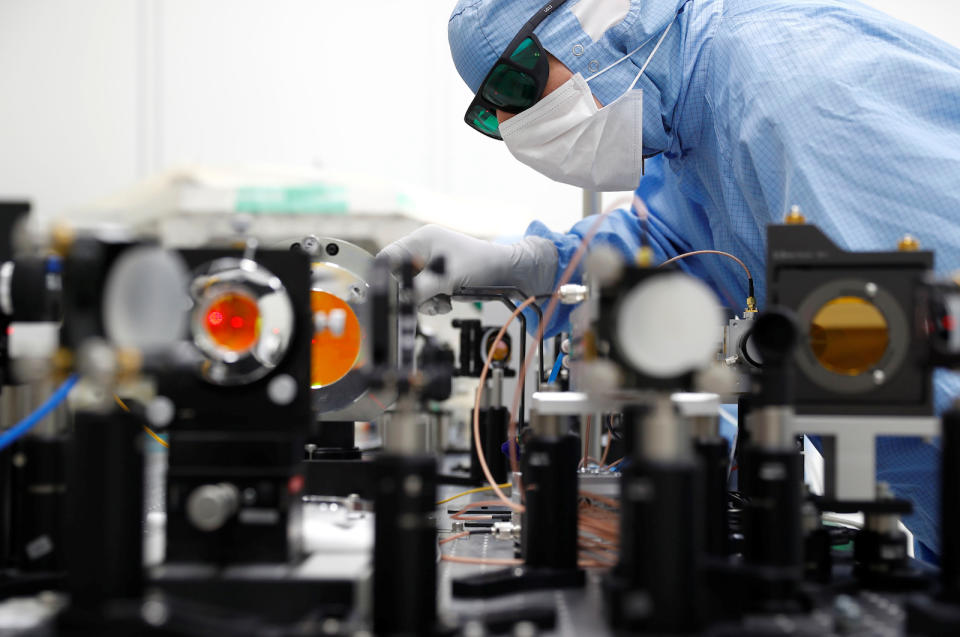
column 530, row 265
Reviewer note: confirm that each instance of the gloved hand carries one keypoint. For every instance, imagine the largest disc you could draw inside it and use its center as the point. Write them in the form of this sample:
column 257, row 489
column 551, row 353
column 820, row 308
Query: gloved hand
column 530, row 265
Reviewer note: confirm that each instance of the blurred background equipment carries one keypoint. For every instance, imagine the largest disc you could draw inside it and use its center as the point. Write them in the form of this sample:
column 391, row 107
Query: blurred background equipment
column 261, row 440
column 221, row 414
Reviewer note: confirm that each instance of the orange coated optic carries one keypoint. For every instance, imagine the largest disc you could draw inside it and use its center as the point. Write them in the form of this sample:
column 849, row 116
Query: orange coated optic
column 501, row 353
column 233, row 322
column 849, row 335
column 332, row 355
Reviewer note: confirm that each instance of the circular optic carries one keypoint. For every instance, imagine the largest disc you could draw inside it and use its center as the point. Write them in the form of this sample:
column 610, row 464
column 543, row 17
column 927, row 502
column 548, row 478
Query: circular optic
column 502, row 353
column 341, row 304
column 668, row 326
column 145, row 301
column 849, row 335
column 233, row 322
column 242, row 322
column 336, row 348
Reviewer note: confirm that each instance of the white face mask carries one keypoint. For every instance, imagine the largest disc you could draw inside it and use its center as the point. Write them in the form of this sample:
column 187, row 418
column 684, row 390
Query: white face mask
column 567, row 138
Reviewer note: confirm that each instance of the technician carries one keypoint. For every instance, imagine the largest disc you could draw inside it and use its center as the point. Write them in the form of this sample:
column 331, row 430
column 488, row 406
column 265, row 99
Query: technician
column 750, row 107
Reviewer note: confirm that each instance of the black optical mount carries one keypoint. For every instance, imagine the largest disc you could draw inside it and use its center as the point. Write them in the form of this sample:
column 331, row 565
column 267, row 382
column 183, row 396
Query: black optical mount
column 549, row 526
column 771, row 481
column 405, row 485
column 656, row 585
column 940, row 614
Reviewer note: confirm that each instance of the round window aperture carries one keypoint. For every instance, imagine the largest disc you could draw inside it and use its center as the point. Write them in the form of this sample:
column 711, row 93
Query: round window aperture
column 336, row 348
column 849, row 335
column 233, row 322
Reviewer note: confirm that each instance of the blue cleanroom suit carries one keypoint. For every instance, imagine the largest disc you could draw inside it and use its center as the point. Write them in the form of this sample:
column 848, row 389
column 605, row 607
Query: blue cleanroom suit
column 757, row 105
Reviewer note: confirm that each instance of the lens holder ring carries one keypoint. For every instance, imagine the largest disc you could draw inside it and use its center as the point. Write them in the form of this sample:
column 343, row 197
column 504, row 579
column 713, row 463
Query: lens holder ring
column 344, row 273
column 221, row 278
column 893, row 358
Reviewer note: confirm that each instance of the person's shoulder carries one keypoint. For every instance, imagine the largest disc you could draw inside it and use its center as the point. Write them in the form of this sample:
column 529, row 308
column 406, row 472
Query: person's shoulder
column 738, row 12
column 756, row 29
column 791, row 51
column 805, row 46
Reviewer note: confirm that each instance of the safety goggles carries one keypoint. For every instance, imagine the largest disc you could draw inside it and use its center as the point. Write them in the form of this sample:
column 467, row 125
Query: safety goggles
column 516, row 82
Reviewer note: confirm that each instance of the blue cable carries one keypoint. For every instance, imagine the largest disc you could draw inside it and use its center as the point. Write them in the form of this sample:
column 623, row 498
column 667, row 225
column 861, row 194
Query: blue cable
column 11, row 435
column 556, row 370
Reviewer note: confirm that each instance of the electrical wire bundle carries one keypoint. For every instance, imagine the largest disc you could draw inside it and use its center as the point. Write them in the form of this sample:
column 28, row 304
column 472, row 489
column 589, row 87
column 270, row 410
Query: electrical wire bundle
column 599, row 522
column 602, row 462
column 596, row 522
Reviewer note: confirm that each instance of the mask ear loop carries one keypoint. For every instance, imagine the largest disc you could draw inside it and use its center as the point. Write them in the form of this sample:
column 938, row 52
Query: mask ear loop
column 650, row 57
column 634, row 52
column 638, row 207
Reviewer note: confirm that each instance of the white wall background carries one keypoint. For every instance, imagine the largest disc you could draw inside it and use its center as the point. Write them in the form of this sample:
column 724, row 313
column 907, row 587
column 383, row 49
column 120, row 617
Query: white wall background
column 95, row 95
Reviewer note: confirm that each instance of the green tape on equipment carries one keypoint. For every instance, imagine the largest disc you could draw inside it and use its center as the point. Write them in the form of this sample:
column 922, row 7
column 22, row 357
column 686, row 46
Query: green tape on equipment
column 313, row 199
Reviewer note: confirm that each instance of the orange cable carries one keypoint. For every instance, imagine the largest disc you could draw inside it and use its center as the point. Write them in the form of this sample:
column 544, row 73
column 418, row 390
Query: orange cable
column 480, row 560
column 150, row 431
column 593, row 564
column 473, row 505
column 610, row 502
column 697, row 252
column 454, row 537
column 476, row 411
column 586, row 442
column 606, row 449
column 547, row 315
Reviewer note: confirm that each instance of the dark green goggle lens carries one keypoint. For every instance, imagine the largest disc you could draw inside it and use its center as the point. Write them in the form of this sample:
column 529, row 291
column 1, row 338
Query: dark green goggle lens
column 484, row 121
column 509, row 88
column 527, row 54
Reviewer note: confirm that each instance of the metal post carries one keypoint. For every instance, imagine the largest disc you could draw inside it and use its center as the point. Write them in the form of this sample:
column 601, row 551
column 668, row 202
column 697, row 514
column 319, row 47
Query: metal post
column 660, row 528
column 105, row 483
column 592, row 203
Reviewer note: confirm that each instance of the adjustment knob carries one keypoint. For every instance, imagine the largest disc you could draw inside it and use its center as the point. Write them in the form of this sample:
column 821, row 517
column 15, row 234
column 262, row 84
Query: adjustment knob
column 210, row 506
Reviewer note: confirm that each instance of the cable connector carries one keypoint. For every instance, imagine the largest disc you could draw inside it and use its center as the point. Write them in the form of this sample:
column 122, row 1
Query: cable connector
column 645, row 257
column 506, row 531
column 573, row 293
column 751, row 305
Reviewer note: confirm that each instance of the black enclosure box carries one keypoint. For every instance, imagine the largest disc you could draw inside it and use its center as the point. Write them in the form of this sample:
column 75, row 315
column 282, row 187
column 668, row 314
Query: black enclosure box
column 202, row 405
column 805, row 271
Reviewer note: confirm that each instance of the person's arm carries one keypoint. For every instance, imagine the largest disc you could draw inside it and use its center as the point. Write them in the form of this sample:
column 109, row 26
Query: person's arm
column 536, row 263
column 620, row 231
column 528, row 264
column 675, row 226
